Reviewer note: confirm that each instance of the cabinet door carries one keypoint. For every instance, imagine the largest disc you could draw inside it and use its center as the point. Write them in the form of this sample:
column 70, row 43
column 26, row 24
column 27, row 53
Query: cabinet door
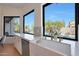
column 9, row 40
column 25, row 47
column 18, row 44
column 36, row 50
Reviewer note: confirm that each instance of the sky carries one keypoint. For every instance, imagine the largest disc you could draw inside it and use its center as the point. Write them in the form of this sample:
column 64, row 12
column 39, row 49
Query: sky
column 29, row 19
column 55, row 12
column 60, row 12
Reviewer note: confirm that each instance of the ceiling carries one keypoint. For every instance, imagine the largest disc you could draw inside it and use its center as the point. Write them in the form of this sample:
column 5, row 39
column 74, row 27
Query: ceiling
column 18, row 5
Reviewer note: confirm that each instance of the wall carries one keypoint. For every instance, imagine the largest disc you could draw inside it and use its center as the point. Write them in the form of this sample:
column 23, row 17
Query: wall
column 7, row 11
column 1, row 22
column 11, row 11
column 38, row 19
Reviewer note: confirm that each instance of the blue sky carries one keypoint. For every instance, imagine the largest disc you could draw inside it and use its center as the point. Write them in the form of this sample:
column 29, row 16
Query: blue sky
column 29, row 19
column 60, row 12
column 55, row 12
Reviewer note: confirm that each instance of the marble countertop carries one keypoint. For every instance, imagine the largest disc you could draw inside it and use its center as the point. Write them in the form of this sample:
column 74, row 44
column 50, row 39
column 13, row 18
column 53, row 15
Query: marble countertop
column 63, row 48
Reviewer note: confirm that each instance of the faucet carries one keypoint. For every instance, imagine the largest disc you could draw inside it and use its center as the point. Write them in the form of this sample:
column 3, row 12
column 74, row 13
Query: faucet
column 54, row 33
column 51, row 34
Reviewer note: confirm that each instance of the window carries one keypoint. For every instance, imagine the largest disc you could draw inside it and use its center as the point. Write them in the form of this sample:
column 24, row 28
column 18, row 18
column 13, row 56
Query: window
column 60, row 17
column 16, row 24
column 28, row 22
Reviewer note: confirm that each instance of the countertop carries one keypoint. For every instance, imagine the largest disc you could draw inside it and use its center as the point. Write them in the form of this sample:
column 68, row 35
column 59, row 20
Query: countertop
column 61, row 48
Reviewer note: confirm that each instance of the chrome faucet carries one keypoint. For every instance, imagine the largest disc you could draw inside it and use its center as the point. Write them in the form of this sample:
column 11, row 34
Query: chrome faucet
column 51, row 34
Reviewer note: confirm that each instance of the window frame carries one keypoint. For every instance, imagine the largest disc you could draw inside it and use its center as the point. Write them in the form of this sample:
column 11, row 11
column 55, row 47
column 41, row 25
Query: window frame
column 4, row 23
column 24, row 22
column 76, row 22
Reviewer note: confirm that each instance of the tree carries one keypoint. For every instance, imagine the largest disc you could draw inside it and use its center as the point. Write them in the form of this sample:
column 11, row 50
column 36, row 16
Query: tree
column 57, row 24
column 48, row 26
column 27, row 28
column 32, row 28
column 17, row 27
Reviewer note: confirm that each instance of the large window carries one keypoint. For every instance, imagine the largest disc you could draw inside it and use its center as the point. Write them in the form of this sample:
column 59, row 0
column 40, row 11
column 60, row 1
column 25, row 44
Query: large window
column 59, row 17
column 16, row 24
column 28, row 22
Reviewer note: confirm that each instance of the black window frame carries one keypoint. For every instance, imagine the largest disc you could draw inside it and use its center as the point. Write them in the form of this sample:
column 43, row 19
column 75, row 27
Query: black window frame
column 4, row 23
column 24, row 22
column 76, row 22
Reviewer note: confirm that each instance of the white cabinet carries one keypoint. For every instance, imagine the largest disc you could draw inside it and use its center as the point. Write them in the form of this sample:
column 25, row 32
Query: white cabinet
column 18, row 44
column 9, row 40
column 36, row 50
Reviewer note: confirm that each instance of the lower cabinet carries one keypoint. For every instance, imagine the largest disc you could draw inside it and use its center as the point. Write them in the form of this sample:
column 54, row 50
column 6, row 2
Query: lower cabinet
column 9, row 40
column 25, row 48
column 18, row 44
column 36, row 50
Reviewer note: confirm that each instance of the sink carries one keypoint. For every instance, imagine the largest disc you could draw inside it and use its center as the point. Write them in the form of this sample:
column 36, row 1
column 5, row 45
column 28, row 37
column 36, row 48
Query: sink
column 62, row 48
